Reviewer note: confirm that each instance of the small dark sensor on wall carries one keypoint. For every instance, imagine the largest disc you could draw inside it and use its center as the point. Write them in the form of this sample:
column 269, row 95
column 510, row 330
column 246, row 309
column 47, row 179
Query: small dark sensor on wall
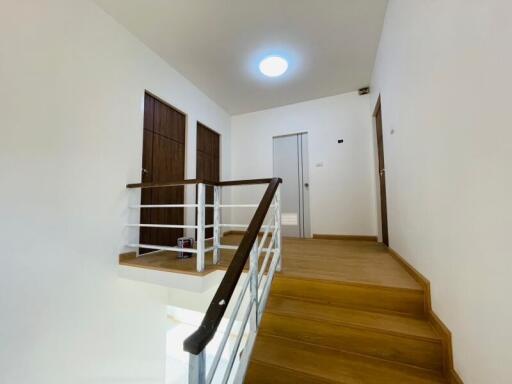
column 364, row 91
column 340, row 141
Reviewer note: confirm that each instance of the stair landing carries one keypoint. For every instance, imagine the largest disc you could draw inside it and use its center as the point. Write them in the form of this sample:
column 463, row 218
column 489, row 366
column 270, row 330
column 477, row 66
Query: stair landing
column 336, row 260
column 344, row 260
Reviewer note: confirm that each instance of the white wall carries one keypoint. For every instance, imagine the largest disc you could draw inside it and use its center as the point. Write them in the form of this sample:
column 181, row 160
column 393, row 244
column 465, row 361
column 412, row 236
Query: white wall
column 342, row 190
column 72, row 84
column 443, row 70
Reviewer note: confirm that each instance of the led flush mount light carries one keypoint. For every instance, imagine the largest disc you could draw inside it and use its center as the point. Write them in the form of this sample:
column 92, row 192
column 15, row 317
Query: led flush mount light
column 273, row 66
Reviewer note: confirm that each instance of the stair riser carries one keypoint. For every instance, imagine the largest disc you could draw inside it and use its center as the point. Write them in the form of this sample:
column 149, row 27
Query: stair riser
column 395, row 348
column 406, row 301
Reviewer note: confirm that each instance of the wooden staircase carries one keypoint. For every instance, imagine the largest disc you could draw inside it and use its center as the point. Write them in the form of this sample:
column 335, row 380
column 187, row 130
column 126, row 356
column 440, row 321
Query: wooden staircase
column 326, row 331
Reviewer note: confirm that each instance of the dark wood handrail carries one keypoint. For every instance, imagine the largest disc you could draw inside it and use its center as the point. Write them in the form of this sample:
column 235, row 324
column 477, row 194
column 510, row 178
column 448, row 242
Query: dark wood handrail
column 198, row 181
column 196, row 342
column 174, row 183
column 243, row 182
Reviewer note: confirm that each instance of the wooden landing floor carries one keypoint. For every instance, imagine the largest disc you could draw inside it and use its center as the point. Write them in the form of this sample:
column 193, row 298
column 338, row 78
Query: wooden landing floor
column 338, row 260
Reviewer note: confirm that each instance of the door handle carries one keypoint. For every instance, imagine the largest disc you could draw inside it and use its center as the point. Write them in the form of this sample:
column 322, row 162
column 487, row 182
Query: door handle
column 306, row 185
column 382, row 172
column 145, row 171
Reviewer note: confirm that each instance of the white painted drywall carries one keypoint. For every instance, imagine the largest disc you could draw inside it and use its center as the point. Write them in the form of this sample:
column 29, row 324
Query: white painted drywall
column 443, row 70
column 72, row 84
column 342, row 187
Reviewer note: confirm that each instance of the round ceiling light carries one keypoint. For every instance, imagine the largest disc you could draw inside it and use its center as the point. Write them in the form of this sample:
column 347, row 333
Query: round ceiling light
column 273, row 66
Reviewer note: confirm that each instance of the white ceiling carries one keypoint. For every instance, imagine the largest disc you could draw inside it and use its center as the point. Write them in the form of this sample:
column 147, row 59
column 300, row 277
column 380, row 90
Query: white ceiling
column 216, row 44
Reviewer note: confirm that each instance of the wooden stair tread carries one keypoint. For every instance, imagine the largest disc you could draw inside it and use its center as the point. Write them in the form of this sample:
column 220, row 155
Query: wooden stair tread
column 396, row 324
column 341, row 260
column 366, row 297
column 395, row 347
column 327, row 365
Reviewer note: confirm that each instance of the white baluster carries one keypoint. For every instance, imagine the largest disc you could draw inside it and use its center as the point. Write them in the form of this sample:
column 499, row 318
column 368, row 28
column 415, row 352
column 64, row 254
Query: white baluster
column 216, row 223
column 278, row 226
column 200, row 226
column 253, row 275
column 197, row 369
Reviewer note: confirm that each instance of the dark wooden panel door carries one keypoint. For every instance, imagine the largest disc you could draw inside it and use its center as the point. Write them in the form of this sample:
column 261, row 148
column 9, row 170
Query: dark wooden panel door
column 382, row 174
column 163, row 159
column 207, row 166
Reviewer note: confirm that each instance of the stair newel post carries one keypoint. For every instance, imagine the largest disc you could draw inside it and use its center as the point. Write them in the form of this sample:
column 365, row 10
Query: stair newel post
column 278, row 226
column 216, row 223
column 200, row 226
column 197, row 368
column 253, row 275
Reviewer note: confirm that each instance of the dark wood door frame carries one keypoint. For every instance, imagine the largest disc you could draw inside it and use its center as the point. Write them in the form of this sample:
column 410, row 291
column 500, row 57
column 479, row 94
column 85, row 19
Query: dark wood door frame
column 377, row 114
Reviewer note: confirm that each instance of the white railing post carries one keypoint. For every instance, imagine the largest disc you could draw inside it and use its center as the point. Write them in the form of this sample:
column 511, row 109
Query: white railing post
column 278, row 226
column 197, row 369
column 216, row 223
column 200, row 226
column 253, row 275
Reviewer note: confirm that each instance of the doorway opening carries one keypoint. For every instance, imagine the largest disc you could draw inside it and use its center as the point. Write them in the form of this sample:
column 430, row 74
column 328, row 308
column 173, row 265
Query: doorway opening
column 291, row 163
column 377, row 114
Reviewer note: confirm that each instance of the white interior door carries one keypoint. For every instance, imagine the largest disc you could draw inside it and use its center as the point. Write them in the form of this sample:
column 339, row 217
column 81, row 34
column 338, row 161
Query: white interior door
column 291, row 164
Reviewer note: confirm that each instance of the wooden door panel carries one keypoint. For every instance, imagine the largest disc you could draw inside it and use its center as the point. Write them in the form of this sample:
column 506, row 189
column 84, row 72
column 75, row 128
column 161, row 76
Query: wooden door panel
column 163, row 160
column 201, row 140
column 168, row 159
column 149, row 105
column 207, row 166
column 201, row 160
column 169, row 155
column 382, row 173
column 216, row 146
column 216, row 169
column 147, row 157
column 147, row 165
column 182, row 123
column 168, row 122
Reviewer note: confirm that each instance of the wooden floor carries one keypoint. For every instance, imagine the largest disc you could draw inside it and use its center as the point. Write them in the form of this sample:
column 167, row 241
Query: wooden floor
column 341, row 311
column 338, row 260
column 346, row 312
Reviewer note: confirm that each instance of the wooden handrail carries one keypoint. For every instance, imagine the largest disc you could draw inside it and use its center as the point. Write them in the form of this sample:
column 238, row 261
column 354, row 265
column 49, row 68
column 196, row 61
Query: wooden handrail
column 196, row 342
column 169, row 183
column 243, row 182
column 198, row 181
